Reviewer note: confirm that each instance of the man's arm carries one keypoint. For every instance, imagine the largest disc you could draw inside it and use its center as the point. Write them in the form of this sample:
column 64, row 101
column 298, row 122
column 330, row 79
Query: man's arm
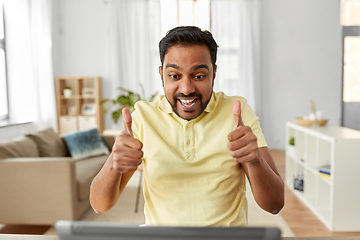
column 258, row 164
column 265, row 181
column 123, row 161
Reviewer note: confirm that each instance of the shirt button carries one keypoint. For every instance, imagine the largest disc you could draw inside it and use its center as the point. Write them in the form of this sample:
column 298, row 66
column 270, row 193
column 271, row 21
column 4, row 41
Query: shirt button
column 188, row 126
column 188, row 142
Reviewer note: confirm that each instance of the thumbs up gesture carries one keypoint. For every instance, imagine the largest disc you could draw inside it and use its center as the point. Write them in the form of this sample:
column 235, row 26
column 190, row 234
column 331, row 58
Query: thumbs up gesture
column 127, row 123
column 126, row 152
column 242, row 141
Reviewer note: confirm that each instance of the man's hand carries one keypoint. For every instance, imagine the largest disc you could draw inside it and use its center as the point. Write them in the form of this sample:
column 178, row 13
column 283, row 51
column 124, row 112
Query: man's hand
column 242, row 141
column 126, row 153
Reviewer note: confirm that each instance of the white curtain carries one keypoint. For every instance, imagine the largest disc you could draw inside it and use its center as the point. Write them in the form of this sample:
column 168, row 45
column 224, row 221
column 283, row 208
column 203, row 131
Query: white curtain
column 29, row 64
column 40, row 29
column 235, row 25
column 134, row 34
column 19, row 69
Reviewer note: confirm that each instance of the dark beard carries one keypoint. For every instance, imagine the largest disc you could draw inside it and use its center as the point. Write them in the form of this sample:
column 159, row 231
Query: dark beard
column 197, row 95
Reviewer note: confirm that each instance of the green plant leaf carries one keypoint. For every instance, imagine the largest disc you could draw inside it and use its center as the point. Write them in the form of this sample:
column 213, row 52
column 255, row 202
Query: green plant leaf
column 104, row 101
column 126, row 99
column 117, row 114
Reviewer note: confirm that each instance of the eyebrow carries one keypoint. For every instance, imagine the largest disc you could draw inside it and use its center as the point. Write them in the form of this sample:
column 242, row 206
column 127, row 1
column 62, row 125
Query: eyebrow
column 196, row 67
column 172, row 66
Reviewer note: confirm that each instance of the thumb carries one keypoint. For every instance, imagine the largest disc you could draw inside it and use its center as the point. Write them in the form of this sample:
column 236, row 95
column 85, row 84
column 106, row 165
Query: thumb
column 127, row 122
column 237, row 115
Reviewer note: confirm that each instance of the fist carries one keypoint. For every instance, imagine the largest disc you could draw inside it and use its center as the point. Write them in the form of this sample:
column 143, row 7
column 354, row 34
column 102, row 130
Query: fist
column 126, row 153
column 242, row 141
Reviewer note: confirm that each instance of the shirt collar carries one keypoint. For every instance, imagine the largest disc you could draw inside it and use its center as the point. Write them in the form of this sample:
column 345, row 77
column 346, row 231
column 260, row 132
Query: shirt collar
column 165, row 106
column 211, row 105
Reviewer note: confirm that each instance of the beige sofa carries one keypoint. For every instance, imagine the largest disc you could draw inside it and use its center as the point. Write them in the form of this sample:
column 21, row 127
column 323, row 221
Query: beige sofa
column 40, row 183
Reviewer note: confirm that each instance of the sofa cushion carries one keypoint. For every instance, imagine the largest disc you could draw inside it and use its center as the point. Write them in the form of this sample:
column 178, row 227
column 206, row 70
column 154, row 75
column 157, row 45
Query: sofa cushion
column 19, row 147
column 84, row 144
column 86, row 170
column 49, row 143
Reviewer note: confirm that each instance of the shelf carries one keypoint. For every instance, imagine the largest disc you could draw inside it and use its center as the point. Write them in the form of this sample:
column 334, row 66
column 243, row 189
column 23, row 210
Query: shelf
column 86, row 95
column 68, row 98
column 310, row 168
column 331, row 200
column 67, row 115
column 324, row 215
column 328, row 182
column 77, row 97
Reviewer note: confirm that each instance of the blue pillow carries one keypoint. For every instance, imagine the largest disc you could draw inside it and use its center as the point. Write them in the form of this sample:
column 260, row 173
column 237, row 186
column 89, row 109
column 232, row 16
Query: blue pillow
column 87, row 143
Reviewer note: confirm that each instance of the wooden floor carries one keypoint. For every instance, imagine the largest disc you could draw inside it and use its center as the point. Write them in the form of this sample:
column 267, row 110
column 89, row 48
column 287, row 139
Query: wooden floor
column 301, row 220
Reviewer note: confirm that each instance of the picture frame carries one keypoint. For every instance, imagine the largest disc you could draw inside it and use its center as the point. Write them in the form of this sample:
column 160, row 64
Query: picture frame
column 88, row 109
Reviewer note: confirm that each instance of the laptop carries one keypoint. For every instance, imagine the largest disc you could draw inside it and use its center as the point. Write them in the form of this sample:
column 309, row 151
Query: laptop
column 82, row 230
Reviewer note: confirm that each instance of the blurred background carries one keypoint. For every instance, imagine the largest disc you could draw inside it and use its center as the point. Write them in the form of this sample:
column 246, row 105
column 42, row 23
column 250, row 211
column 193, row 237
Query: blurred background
column 279, row 54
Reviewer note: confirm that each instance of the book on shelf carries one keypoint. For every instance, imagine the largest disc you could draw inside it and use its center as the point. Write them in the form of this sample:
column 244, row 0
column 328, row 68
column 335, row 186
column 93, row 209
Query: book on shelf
column 325, row 169
column 324, row 175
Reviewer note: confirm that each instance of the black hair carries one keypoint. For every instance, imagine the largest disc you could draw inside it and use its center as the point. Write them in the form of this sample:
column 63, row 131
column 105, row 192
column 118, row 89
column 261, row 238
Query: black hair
column 186, row 36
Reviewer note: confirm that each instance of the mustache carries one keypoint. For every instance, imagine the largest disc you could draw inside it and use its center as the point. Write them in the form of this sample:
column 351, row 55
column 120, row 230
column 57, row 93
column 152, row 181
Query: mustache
column 191, row 95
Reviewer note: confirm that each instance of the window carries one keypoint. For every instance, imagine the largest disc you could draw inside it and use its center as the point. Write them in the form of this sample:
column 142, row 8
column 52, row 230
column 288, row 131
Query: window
column 184, row 13
column 351, row 75
column 350, row 20
column 4, row 103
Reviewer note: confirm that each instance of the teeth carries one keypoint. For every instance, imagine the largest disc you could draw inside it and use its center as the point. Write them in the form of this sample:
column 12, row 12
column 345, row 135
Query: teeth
column 188, row 103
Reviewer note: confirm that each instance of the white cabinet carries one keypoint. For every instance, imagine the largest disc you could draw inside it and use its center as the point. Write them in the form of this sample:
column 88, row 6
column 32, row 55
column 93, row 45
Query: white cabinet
column 335, row 201
column 86, row 122
column 67, row 124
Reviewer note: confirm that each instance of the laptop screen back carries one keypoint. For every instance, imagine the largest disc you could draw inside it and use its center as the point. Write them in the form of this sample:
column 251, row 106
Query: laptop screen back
column 79, row 230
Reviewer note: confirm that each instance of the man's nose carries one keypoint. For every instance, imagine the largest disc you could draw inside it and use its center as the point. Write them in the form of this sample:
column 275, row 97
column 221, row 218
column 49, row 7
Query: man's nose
column 186, row 86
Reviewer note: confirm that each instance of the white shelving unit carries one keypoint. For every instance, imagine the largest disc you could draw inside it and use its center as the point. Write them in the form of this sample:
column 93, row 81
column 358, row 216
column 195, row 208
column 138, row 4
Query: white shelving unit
column 336, row 202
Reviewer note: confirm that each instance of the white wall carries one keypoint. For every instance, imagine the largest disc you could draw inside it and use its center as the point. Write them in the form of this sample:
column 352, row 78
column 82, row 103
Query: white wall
column 301, row 44
column 80, row 41
column 81, row 30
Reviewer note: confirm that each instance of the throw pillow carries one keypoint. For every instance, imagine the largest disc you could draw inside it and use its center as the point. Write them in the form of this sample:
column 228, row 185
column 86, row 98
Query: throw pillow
column 87, row 143
column 20, row 147
column 49, row 143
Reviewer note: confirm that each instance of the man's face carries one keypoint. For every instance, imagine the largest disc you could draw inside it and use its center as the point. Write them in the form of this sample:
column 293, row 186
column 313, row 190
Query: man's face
column 188, row 79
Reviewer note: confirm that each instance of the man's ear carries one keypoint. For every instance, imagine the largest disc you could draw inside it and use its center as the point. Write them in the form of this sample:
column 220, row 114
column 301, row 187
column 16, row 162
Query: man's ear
column 160, row 72
column 161, row 75
column 214, row 74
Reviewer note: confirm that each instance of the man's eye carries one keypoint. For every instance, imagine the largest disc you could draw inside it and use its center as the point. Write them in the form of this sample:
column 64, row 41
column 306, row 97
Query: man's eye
column 174, row 76
column 199, row 76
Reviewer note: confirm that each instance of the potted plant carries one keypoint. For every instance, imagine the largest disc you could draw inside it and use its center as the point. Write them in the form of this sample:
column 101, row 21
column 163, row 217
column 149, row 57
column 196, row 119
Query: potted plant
column 291, row 146
column 67, row 91
column 126, row 99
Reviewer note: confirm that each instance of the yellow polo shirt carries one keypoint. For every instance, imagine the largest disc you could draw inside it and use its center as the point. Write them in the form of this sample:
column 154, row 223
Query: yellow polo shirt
column 190, row 178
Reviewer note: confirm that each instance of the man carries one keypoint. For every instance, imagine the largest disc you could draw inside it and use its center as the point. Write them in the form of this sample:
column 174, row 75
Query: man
column 196, row 146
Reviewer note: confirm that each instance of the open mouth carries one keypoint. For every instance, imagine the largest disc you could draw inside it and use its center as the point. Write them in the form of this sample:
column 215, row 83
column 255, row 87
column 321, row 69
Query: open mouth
column 188, row 103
